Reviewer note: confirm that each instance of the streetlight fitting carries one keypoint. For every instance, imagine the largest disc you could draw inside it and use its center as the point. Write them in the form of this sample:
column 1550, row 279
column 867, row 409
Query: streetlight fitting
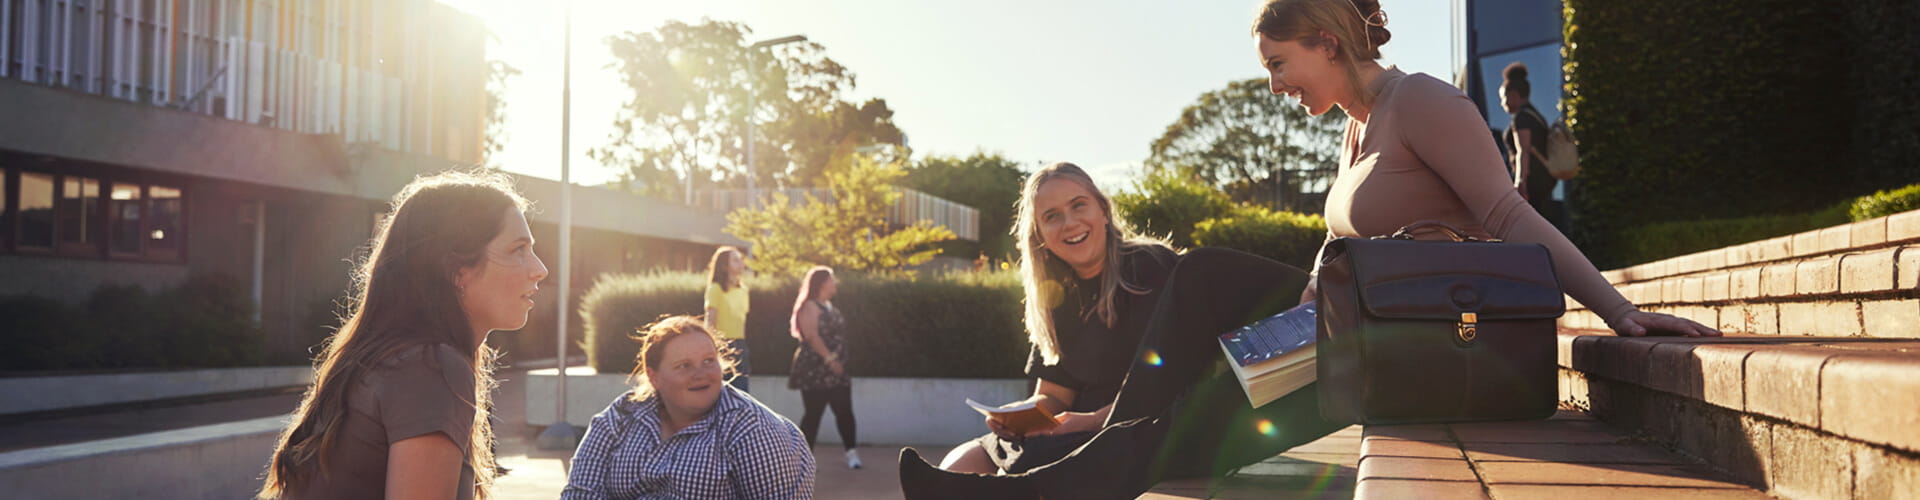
column 778, row 41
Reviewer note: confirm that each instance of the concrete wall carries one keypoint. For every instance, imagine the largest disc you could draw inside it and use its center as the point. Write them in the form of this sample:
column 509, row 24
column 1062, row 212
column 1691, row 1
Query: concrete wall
column 29, row 394
column 890, row 411
column 214, row 461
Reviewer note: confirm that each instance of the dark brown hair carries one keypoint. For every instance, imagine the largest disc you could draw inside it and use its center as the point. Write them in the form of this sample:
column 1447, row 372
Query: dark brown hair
column 1516, row 78
column 720, row 274
column 403, row 297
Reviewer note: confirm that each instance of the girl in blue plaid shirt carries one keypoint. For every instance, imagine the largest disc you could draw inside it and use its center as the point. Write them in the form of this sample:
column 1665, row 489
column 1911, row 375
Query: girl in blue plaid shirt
column 684, row 433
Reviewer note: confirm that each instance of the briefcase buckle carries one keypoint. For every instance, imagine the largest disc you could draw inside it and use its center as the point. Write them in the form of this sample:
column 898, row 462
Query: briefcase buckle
column 1468, row 328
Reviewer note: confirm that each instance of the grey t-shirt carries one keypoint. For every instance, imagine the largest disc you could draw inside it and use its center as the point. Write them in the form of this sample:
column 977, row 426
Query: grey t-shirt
column 415, row 392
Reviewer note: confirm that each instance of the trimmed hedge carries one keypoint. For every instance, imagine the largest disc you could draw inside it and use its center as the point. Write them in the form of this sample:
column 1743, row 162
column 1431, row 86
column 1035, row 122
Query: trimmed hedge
column 206, row 322
column 961, row 325
column 1166, row 205
column 1772, row 107
column 1291, row 238
column 1669, row 239
column 1885, row 203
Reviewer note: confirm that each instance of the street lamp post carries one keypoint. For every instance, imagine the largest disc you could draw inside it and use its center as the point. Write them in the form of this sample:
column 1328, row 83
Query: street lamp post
column 753, row 197
column 560, row 435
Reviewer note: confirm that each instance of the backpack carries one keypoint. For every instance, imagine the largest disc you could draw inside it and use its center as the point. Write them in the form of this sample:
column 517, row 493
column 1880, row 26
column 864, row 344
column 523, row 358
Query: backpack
column 1563, row 150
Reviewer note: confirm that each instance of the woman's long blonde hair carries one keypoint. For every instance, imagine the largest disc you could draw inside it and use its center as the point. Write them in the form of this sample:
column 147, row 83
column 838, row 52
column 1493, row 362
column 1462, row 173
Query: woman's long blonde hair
column 1041, row 272
column 403, row 297
column 1358, row 28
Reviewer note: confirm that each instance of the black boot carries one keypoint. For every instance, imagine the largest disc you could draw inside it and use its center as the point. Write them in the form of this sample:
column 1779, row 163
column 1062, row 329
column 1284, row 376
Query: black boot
column 920, row 480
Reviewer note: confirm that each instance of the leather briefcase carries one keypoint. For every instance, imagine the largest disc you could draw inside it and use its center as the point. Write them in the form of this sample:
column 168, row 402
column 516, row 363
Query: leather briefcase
column 1436, row 331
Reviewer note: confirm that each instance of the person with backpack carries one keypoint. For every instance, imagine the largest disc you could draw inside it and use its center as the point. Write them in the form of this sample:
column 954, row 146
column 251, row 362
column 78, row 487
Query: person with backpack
column 1527, row 139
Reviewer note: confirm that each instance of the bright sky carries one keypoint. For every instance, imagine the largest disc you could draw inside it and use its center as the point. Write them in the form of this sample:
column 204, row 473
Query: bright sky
column 1091, row 82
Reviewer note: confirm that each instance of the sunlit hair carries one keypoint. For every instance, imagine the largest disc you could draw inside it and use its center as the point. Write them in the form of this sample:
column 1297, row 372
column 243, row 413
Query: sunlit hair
column 809, row 290
column 404, row 297
column 654, row 339
column 1039, row 267
column 721, row 274
column 1358, row 28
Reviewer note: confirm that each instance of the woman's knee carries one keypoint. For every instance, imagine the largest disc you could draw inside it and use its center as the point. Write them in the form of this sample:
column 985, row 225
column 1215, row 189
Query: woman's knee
column 970, row 458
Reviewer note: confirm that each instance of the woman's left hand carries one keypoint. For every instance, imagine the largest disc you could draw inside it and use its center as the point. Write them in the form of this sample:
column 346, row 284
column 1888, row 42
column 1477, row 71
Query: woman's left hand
column 1640, row 323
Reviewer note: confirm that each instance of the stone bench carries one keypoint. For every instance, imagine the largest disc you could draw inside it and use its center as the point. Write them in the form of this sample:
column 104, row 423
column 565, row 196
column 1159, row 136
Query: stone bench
column 1568, row 456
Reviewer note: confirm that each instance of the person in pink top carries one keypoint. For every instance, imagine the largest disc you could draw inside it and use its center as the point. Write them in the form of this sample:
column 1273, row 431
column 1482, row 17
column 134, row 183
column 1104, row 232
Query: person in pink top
column 1417, row 149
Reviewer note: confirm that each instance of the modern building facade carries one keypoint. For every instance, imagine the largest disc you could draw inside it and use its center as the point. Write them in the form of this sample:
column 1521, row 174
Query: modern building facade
column 149, row 141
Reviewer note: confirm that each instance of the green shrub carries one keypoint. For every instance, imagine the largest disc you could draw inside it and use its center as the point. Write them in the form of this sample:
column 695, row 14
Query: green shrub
column 206, row 322
column 1287, row 237
column 1885, row 203
column 962, row 325
column 1168, row 205
column 1668, row 239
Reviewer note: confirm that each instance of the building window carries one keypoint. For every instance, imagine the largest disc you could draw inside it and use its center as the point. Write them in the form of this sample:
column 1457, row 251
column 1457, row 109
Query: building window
column 125, row 205
column 36, row 211
column 77, row 213
column 163, row 224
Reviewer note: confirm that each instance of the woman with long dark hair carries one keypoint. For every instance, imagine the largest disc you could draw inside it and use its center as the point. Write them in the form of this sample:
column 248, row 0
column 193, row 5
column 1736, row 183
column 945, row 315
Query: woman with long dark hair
column 726, row 309
column 820, row 362
column 398, row 406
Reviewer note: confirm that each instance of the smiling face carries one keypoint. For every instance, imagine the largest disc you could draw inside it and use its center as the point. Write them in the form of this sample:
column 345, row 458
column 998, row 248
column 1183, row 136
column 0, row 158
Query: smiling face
column 1308, row 74
column 497, row 292
column 687, row 377
column 736, row 267
column 828, row 289
column 1072, row 225
column 1510, row 100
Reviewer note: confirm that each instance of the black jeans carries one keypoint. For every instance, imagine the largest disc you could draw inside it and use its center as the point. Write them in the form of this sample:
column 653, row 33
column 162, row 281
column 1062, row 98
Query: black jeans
column 816, row 403
column 1186, row 415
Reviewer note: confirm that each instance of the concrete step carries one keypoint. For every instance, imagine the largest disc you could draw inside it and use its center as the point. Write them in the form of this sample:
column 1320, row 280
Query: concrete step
column 1799, row 417
column 1568, row 456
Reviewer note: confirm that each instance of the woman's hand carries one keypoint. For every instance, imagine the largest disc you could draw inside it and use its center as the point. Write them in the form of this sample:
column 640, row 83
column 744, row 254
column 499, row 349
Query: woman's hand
column 1640, row 323
column 1071, row 422
column 838, row 369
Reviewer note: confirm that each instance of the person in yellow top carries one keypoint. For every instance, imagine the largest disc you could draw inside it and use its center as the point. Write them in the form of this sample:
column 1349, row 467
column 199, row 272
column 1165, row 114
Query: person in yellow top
column 727, row 307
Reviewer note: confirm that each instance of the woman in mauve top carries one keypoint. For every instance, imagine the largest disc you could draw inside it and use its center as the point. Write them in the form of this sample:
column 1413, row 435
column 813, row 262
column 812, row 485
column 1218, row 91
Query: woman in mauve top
column 1416, row 149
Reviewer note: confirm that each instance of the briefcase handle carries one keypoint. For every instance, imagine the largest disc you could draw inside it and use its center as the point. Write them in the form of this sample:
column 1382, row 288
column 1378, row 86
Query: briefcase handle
column 1406, row 232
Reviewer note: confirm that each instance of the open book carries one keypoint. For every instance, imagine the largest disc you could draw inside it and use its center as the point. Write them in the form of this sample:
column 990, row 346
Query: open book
column 1274, row 356
column 1022, row 418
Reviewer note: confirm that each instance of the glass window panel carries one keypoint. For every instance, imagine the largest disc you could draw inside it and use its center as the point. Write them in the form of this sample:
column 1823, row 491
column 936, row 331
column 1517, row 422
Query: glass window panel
column 79, row 205
column 163, row 225
column 36, row 210
column 124, row 204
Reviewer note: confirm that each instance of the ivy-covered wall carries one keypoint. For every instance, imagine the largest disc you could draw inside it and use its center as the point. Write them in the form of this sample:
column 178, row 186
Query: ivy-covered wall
column 1705, row 109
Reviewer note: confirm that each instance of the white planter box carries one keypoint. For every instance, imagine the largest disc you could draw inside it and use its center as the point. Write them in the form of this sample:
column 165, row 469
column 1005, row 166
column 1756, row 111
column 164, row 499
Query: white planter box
column 890, row 411
column 28, row 394
column 213, row 461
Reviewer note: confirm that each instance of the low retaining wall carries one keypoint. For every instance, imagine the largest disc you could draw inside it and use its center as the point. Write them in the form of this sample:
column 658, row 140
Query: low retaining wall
column 31, row 394
column 213, row 461
column 890, row 411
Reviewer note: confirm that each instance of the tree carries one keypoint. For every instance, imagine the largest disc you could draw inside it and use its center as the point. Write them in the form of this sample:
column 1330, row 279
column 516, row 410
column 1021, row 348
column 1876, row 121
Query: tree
column 687, row 117
column 1168, row 205
column 987, row 182
column 848, row 232
column 1257, row 147
column 497, row 74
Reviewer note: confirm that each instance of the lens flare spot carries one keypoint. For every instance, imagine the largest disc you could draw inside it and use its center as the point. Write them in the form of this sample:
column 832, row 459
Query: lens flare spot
column 1153, row 358
column 1266, row 427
